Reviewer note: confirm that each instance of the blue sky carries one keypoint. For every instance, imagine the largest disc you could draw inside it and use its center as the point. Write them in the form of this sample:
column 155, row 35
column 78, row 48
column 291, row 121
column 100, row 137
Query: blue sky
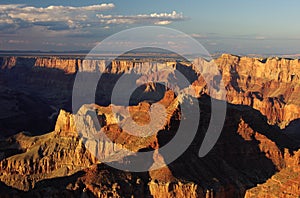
column 240, row 27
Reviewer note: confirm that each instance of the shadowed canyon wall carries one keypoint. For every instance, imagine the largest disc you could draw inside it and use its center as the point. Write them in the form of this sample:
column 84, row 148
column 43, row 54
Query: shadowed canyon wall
column 255, row 146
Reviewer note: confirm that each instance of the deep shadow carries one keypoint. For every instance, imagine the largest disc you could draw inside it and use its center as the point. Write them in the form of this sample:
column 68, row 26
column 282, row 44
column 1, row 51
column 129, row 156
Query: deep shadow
column 234, row 163
column 50, row 90
column 27, row 113
column 292, row 130
column 150, row 95
column 99, row 176
column 188, row 72
column 7, row 191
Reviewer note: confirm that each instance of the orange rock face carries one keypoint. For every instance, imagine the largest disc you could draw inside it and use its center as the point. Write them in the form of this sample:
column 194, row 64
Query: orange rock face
column 67, row 65
column 268, row 85
column 285, row 183
column 255, row 155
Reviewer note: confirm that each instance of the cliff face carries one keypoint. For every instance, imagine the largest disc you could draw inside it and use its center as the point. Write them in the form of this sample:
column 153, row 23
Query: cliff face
column 269, row 85
column 262, row 95
column 282, row 184
column 8, row 62
column 72, row 65
column 62, row 152
column 69, row 66
column 48, row 156
column 246, row 154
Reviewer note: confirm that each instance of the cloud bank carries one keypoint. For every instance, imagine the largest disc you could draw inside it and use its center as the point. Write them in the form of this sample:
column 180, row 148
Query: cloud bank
column 25, row 27
column 154, row 18
column 58, row 18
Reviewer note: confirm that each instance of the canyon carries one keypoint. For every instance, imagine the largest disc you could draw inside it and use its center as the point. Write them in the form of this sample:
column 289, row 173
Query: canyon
column 256, row 155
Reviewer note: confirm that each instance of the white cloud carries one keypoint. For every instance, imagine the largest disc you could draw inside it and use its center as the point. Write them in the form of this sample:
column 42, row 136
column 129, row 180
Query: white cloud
column 162, row 22
column 57, row 26
column 51, row 13
column 59, row 18
column 10, row 6
column 52, row 17
column 153, row 18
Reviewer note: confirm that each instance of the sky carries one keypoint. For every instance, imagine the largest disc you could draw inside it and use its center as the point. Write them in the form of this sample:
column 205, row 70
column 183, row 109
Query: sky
column 232, row 26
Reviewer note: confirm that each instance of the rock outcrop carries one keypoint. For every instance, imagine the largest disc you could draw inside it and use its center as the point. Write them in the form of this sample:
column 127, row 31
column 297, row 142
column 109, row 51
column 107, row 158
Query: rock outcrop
column 254, row 156
column 69, row 66
column 47, row 156
column 64, row 151
column 285, row 183
column 246, row 154
column 269, row 85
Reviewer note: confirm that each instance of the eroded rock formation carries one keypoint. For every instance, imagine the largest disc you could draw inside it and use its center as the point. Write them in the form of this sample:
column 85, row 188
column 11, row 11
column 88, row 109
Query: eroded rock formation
column 254, row 156
column 269, row 85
